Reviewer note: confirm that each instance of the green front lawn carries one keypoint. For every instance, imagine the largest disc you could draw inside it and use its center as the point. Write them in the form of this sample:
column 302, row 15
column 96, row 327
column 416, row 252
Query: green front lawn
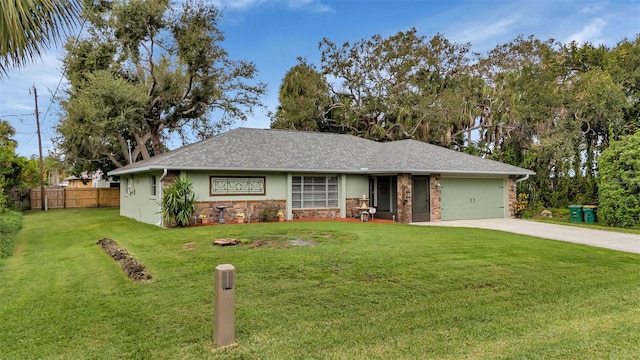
column 366, row 291
column 596, row 226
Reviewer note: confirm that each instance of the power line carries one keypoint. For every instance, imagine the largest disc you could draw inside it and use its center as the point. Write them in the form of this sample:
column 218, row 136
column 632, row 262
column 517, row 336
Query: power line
column 29, row 140
column 17, row 115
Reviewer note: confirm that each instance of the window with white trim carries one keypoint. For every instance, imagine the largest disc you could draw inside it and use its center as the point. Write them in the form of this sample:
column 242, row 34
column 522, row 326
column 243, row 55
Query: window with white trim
column 312, row 192
column 154, row 186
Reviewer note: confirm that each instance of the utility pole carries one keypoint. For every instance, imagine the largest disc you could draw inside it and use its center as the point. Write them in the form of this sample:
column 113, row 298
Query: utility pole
column 42, row 197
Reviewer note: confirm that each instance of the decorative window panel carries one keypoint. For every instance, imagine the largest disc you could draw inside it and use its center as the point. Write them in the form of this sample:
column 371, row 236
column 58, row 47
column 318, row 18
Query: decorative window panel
column 231, row 185
column 312, row 192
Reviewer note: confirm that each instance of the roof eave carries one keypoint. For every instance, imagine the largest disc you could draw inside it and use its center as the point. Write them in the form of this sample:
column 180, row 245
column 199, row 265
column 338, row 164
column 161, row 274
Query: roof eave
column 363, row 171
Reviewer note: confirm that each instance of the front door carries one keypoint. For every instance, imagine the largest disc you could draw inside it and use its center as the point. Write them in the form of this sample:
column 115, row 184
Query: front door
column 420, row 199
column 383, row 196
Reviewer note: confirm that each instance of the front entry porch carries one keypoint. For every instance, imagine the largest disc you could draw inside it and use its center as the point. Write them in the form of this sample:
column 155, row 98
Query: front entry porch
column 405, row 198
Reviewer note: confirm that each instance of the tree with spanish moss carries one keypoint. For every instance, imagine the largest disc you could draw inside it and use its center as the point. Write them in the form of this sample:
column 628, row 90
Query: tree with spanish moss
column 146, row 72
column 399, row 87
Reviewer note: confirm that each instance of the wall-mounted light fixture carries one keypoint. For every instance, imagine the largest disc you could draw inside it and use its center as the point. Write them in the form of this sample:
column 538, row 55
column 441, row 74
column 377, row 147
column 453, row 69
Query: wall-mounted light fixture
column 438, row 185
column 514, row 186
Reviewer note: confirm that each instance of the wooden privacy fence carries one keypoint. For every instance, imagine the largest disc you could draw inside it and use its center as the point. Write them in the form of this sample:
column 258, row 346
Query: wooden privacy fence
column 75, row 198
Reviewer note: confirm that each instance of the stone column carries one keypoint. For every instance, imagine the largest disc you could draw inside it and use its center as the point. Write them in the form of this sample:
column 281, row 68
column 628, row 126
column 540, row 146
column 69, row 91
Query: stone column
column 435, row 187
column 512, row 196
column 405, row 212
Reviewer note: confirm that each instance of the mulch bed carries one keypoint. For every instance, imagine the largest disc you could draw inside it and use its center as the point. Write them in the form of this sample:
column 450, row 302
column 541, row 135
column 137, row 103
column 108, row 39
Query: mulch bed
column 344, row 220
column 134, row 268
column 353, row 220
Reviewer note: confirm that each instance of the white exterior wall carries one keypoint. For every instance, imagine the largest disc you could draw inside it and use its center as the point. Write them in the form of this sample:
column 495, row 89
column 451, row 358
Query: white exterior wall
column 136, row 199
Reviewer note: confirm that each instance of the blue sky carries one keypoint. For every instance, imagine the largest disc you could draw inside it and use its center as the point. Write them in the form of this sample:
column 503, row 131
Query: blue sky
column 273, row 34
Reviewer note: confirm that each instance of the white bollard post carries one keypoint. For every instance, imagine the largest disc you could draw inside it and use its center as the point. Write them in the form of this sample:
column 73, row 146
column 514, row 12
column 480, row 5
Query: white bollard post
column 224, row 305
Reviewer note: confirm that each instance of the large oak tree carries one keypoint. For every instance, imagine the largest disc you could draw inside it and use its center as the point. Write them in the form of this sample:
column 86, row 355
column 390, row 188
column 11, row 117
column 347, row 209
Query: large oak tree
column 147, row 71
column 403, row 86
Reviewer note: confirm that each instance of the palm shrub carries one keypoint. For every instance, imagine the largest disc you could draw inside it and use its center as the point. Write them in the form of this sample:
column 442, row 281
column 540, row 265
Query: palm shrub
column 179, row 202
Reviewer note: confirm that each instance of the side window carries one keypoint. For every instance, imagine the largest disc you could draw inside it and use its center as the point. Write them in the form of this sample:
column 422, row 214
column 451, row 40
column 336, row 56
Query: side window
column 154, row 186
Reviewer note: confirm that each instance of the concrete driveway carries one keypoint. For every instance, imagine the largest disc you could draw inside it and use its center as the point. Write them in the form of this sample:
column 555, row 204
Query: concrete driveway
column 605, row 239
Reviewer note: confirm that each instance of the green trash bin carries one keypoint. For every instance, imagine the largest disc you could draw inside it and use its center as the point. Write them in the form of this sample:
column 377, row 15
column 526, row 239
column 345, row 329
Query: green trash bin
column 575, row 213
column 590, row 213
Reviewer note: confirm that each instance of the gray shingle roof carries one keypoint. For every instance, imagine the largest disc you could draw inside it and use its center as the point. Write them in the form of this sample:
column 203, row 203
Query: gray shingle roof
column 245, row 149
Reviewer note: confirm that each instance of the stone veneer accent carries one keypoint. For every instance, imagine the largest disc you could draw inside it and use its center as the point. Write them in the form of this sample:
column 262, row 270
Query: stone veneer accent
column 404, row 202
column 329, row 213
column 251, row 209
column 435, row 196
column 352, row 205
column 513, row 196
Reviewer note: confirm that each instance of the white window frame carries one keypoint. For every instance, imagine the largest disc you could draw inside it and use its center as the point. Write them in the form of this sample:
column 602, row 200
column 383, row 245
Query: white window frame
column 153, row 190
column 314, row 192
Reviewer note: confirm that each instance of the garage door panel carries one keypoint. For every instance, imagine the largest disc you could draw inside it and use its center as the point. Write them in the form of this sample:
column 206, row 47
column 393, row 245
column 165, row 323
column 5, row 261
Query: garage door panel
column 463, row 199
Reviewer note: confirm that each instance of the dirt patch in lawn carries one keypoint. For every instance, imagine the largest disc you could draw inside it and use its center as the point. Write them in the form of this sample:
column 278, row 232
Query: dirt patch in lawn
column 301, row 242
column 261, row 243
column 188, row 246
column 134, row 268
column 279, row 243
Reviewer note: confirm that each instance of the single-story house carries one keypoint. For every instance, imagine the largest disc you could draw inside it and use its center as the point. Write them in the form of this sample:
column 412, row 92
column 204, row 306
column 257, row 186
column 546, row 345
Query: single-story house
column 76, row 182
column 88, row 180
column 323, row 175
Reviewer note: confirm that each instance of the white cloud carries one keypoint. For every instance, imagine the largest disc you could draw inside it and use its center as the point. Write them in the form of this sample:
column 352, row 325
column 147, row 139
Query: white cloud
column 16, row 98
column 592, row 8
column 308, row 5
column 591, row 32
column 43, row 74
column 489, row 30
column 313, row 5
column 236, row 4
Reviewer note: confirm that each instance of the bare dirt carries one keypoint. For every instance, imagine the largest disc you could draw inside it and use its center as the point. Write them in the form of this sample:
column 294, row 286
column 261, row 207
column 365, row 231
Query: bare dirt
column 189, row 246
column 132, row 267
